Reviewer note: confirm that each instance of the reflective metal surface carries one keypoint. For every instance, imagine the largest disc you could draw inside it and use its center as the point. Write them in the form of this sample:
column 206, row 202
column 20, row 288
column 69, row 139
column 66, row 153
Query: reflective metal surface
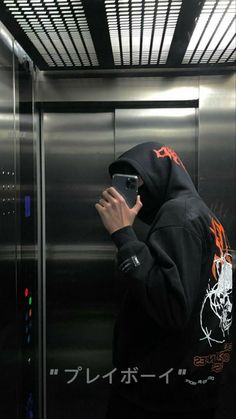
column 81, row 286
column 27, row 254
column 217, row 148
column 18, row 254
column 8, row 327
column 141, row 89
column 79, row 263
column 175, row 127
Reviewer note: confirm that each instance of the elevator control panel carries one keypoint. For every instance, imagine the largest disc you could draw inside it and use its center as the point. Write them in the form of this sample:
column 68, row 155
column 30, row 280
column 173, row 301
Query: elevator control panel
column 7, row 188
column 28, row 340
column 28, row 337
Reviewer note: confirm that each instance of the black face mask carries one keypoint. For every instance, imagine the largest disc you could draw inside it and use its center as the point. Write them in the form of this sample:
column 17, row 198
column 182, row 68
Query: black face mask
column 124, row 168
column 149, row 208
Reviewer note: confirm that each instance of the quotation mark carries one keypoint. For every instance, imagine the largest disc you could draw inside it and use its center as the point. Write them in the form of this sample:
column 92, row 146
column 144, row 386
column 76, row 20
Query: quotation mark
column 54, row 371
column 182, row 372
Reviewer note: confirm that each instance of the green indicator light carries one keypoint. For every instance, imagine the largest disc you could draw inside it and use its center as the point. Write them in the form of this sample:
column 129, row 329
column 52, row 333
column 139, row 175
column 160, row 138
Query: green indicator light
column 30, row 301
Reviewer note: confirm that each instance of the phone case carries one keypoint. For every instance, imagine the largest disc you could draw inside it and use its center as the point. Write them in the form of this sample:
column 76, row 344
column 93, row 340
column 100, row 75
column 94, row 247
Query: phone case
column 127, row 186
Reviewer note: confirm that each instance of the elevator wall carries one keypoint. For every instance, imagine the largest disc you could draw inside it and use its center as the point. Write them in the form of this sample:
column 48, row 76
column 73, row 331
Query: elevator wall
column 8, row 325
column 85, row 124
column 18, row 237
column 82, row 291
column 215, row 101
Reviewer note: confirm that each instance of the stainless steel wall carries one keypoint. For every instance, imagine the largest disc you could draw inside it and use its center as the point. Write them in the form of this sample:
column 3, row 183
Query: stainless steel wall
column 80, row 302
column 216, row 125
column 56, row 89
column 8, row 328
column 175, row 127
column 28, row 304
column 82, row 290
column 18, row 250
column 217, row 148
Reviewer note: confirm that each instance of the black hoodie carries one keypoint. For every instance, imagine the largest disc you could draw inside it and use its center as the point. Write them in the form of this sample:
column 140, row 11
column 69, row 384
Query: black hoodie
column 172, row 334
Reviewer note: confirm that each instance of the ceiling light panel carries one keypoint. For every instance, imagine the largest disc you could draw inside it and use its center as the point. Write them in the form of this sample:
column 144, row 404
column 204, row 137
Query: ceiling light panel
column 213, row 39
column 141, row 31
column 58, row 30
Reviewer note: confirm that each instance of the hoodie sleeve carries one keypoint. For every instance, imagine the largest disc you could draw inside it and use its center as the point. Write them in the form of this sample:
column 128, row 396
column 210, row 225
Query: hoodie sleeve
column 164, row 276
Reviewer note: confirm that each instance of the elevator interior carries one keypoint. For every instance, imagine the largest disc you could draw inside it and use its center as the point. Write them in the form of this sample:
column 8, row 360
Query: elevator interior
column 69, row 105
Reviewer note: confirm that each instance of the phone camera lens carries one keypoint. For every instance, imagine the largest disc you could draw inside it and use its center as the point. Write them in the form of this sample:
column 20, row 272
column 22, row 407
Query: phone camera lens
column 130, row 183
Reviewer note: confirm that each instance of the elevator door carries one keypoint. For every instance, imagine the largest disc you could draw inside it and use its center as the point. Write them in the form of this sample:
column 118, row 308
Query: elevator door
column 82, row 291
column 79, row 264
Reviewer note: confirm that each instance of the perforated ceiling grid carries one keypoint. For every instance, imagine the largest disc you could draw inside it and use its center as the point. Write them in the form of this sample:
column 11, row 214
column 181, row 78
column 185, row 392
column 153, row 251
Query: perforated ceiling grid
column 58, row 29
column 125, row 33
column 214, row 38
column 141, row 32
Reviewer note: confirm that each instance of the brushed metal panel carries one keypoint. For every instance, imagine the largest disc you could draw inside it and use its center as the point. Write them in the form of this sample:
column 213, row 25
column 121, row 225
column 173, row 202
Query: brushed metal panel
column 27, row 275
column 79, row 261
column 175, row 127
column 18, row 373
column 217, row 186
column 141, row 89
column 8, row 344
column 217, row 148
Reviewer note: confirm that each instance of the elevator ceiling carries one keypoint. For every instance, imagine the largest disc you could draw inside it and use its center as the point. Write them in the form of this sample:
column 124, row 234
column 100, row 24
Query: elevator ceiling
column 122, row 34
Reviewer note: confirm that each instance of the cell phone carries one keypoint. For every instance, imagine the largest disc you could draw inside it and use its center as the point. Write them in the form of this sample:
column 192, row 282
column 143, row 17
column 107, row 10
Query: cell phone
column 127, row 186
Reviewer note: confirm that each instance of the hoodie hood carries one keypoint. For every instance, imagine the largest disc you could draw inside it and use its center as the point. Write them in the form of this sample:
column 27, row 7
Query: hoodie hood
column 162, row 172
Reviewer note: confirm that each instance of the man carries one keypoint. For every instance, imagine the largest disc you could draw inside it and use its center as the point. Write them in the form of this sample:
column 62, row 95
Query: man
column 172, row 335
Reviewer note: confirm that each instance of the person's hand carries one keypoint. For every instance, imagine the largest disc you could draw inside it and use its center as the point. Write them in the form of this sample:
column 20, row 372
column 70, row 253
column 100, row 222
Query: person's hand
column 114, row 211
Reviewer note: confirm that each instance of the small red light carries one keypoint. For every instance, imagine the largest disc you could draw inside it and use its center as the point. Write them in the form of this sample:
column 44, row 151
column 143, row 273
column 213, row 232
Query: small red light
column 30, row 312
column 26, row 292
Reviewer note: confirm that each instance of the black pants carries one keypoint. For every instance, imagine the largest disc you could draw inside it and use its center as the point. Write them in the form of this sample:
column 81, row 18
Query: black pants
column 120, row 408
